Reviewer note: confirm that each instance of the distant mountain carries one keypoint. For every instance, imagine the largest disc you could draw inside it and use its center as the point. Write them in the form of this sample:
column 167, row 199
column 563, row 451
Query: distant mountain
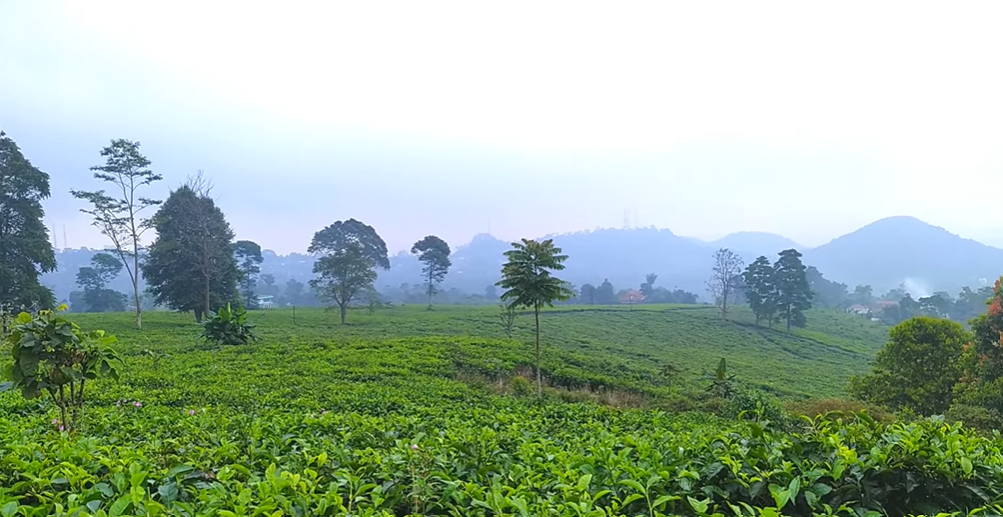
column 904, row 250
column 755, row 244
column 884, row 254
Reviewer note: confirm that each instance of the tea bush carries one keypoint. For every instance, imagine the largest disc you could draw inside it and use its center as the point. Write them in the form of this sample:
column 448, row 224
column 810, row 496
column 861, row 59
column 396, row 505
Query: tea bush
column 371, row 420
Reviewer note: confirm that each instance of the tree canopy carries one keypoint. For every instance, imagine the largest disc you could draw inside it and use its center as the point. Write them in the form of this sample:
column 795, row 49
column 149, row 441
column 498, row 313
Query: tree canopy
column 94, row 280
column 352, row 251
column 118, row 216
column 433, row 253
column 25, row 250
column 528, row 282
column 191, row 265
column 793, row 294
column 918, row 367
column 249, row 259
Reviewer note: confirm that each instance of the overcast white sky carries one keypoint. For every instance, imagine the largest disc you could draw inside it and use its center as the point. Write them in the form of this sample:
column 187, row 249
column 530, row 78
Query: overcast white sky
column 806, row 119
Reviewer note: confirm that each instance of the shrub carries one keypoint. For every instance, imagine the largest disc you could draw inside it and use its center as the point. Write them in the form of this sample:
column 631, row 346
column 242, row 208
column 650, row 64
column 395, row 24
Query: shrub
column 521, row 386
column 831, row 409
column 918, row 367
column 53, row 355
column 228, row 326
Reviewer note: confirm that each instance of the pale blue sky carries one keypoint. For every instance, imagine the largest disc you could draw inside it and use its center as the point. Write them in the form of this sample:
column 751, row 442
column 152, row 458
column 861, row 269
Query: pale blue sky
column 706, row 118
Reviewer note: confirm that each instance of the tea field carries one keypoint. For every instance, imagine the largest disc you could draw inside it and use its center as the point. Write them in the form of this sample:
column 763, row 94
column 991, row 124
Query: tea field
column 410, row 412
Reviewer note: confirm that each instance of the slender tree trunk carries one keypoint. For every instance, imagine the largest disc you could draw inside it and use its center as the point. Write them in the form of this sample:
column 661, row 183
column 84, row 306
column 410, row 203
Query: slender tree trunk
column 539, row 375
column 344, row 309
column 135, row 288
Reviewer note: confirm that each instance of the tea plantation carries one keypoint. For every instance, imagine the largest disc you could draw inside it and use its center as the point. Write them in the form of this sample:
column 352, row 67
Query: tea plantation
column 413, row 412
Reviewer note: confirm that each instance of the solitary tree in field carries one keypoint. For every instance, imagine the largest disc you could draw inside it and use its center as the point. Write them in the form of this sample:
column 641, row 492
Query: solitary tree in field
column 528, row 282
column 433, row 252
column 351, row 251
column 117, row 215
column 25, row 250
column 191, row 266
column 587, row 294
column 249, row 259
column 724, row 277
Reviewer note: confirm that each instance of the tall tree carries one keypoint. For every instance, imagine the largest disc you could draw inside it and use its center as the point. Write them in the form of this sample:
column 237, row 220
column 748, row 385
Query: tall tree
column 587, row 294
column 760, row 289
column 648, row 287
column 249, row 259
column 94, row 280
column 605, row 294
column 118, row 215
column 528, row 282
column 433, row 252
column 25, row 250
column 351, row 252
column 295, row 291
column 727, row 267
column 191, row 266
column 793, row 292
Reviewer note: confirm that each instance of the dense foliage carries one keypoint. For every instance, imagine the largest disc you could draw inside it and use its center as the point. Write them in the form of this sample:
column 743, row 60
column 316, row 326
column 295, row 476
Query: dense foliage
column 52, row 355
column 25, row 250
column 351, row 251
column 228, row 326
column 917, row 369
column 191, row 267
column 327, row 420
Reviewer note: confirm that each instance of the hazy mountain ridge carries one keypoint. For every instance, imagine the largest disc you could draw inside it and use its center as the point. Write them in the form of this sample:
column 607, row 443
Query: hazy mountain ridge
column 883, row 254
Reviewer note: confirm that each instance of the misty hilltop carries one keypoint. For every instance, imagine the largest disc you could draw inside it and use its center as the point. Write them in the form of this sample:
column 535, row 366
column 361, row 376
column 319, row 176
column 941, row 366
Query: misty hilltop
column 885, row 254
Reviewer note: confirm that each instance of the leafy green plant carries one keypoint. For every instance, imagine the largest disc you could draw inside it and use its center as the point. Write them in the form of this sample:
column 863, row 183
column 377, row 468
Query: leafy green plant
column 521, row 386
column 51, row 354
column 507, row 317
column 722, row 384
column 228, row 326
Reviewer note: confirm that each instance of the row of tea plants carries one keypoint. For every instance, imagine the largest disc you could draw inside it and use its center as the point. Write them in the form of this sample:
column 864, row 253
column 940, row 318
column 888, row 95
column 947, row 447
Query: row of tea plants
column 380, row 427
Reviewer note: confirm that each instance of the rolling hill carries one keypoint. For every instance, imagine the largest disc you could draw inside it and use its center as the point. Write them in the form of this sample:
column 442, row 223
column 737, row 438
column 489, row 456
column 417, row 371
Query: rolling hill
column 899, row 250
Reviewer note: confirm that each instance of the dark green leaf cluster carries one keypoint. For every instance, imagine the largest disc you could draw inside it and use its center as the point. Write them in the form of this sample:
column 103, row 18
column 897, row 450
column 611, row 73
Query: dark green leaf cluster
column 228, row 326
column 778, row 292
column 351, row 253
column 917, row 369
column 249, row 259
column 25, row 250
column 52, row 355
column 191, row 265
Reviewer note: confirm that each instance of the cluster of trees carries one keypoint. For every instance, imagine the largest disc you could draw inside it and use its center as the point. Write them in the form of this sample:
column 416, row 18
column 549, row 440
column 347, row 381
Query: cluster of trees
column 932, row 365
column 606, row 294
column 192, row 265
column 779, row 291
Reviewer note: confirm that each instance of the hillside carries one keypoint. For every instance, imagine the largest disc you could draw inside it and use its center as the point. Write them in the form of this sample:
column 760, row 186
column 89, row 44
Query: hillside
column 623, row 348
column 899, row 250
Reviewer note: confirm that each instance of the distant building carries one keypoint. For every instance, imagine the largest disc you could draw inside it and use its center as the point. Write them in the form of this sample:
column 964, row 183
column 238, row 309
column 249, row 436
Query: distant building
column 861, row 310
column 266, row 301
